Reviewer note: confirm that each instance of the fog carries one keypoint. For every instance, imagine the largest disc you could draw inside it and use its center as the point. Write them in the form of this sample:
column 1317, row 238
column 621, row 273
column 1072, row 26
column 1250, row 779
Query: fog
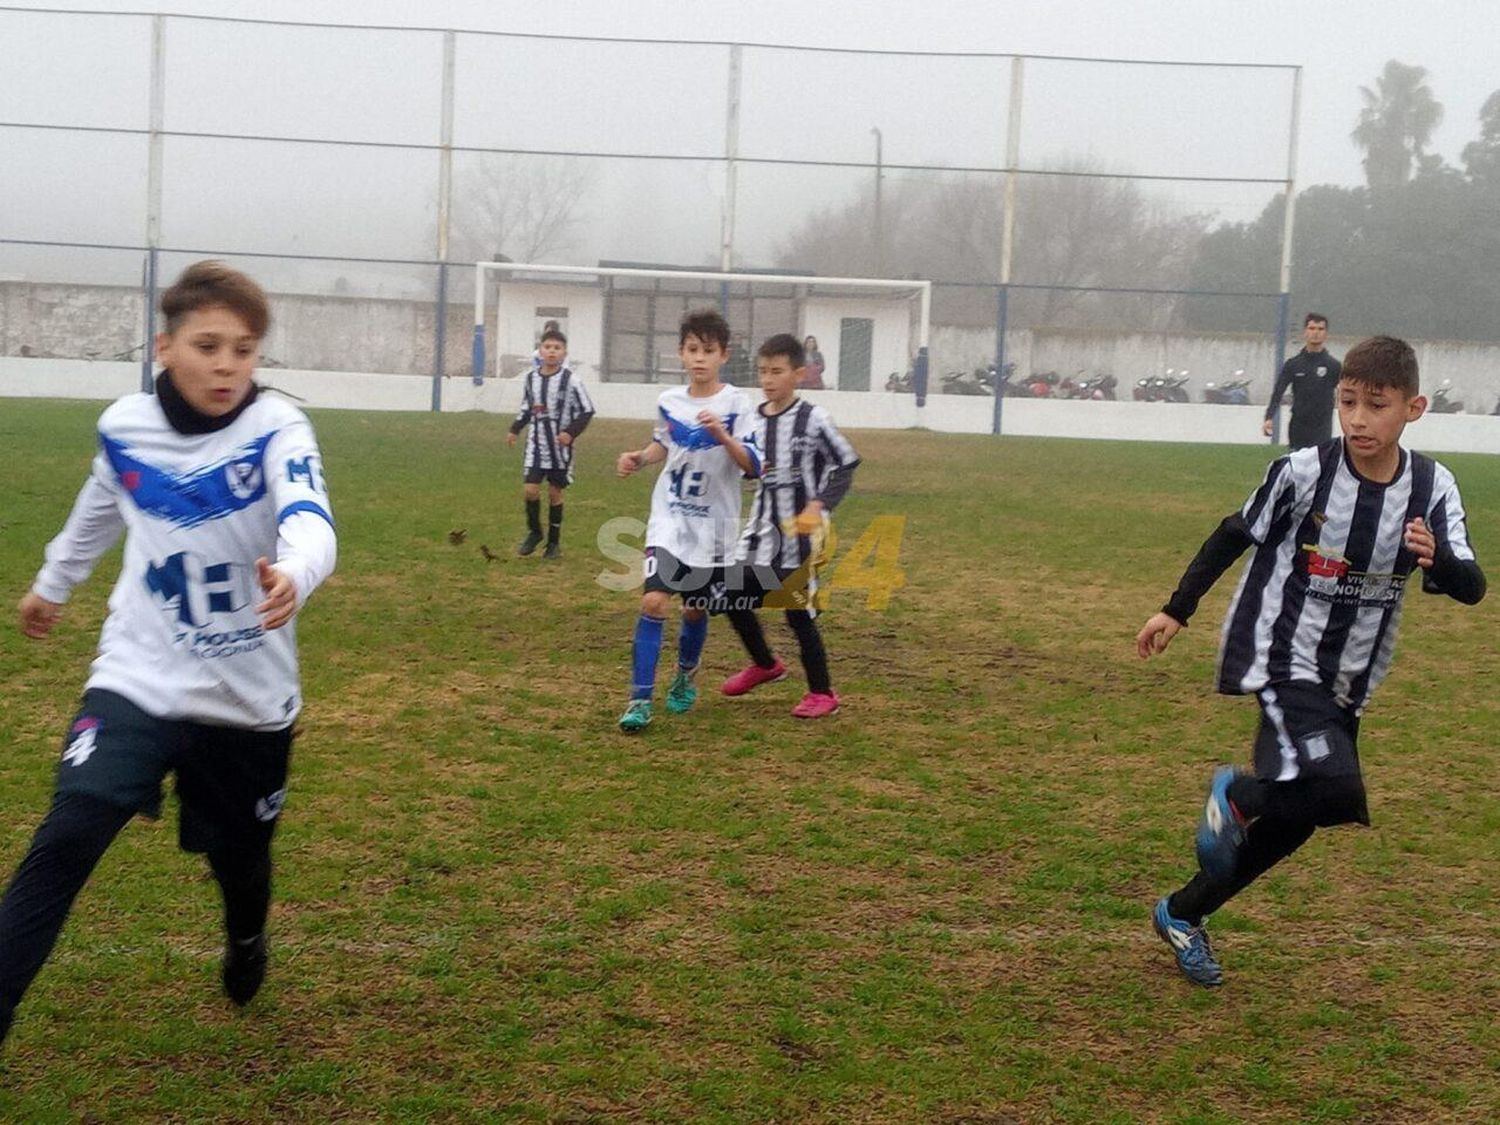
column 660, row 110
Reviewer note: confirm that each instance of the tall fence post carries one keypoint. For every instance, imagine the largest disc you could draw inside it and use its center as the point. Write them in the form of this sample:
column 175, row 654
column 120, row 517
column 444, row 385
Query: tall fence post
column 148, row 286
column 1278, row 352
column 153, row 189
column 1002, row 314
column 445, row 221
column 731, row 160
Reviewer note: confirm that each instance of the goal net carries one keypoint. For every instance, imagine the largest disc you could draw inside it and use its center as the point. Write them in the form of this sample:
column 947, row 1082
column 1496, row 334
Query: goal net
column 621, row 322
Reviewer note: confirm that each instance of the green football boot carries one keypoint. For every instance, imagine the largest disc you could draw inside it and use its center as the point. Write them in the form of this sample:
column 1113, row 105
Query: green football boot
column 637, row 716
column 683, row 693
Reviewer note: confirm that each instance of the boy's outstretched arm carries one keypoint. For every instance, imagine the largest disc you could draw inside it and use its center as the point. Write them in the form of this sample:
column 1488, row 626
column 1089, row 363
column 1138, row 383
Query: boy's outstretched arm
column 93, row 527
column 1444, row 571
column 633, row 459
column 1227, row 543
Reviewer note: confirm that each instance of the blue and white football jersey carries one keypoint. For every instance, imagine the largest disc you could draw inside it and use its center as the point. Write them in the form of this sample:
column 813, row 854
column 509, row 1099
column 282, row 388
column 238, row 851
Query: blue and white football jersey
column 695, row 509
column 182, row 639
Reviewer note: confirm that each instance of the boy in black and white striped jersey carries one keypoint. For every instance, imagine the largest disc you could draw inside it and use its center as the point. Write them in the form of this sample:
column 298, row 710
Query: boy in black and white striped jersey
column 806, row 468
column 1337, row 529
column 556, row 406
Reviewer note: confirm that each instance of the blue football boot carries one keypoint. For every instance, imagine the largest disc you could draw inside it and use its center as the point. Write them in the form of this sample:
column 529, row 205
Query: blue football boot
column 1195, row 957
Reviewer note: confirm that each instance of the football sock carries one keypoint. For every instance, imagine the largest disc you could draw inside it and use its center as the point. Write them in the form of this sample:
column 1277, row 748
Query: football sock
column 747, row 625
column 244, row 877
column 534, row 516
column 647, row 649
column 554, row 522
column 690, row 642
column 814, row 656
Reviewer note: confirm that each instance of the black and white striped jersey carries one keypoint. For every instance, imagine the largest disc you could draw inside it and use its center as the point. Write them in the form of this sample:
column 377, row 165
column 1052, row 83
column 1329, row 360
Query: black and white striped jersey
column 803, row 458
column 1320, row 599
column 552, row 405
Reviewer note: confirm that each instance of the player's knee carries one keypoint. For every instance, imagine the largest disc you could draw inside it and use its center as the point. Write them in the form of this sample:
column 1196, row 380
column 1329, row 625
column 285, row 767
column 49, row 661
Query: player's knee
column 554, row 495
column 655, row 603
column 693, row 614
column 532, row 491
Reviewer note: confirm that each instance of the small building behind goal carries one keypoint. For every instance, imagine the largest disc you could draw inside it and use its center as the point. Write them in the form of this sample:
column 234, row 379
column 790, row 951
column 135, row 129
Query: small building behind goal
column 621, row 320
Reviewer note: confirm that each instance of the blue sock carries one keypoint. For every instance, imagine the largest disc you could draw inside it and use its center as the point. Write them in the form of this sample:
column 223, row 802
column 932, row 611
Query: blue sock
column 690, row 642
column 643, row 659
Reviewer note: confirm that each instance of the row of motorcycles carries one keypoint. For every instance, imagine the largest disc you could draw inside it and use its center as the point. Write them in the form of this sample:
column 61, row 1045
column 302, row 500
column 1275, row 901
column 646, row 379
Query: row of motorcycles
column 1170, row 386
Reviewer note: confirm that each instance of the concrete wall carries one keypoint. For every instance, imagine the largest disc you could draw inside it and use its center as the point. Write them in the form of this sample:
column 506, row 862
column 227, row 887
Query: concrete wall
column 1128, row 421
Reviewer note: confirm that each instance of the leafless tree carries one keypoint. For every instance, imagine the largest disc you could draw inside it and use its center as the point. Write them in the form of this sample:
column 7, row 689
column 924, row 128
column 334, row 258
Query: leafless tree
column 527, row 208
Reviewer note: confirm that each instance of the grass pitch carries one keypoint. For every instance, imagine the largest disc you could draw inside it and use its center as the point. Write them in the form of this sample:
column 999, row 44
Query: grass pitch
column 491, row 905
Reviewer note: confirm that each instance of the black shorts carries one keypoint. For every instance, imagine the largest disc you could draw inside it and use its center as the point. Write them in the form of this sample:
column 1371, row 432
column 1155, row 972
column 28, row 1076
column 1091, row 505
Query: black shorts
column 1305, row 734
column 748, row 586
column 667, row 574
column 231, row 782
column 558, row 478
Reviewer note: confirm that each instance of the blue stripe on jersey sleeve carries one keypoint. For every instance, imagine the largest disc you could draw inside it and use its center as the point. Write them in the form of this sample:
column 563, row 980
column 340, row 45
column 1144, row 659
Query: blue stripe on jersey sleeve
column 303, row 506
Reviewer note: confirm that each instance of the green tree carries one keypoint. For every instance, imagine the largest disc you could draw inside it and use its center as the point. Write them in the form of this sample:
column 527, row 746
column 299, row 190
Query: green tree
column 1482, row 157
column 1395, row 124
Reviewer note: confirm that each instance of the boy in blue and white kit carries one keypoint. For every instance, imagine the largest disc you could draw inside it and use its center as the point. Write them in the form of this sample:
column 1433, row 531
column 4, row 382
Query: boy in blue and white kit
column 705, row 435
column 219, row 491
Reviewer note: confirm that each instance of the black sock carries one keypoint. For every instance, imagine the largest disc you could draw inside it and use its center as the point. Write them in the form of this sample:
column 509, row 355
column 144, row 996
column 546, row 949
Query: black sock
column 814, row 657
column 534, row 516
column 244, row 878
column 554, row 523
column 747, row 625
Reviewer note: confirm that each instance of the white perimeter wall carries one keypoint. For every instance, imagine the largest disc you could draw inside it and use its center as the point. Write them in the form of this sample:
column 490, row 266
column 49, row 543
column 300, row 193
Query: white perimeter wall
column 890, row 345
column 1128, row 421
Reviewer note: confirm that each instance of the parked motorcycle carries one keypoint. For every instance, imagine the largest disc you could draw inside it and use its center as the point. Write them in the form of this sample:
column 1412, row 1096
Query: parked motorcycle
column 1100, row 388
column 976, row 382
column 898, row 383
column 1443, row 402
column 1232, row 392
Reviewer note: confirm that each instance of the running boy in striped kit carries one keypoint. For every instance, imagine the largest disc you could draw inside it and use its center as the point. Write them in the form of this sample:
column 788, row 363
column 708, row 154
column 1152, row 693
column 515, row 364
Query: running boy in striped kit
column 806, row 469
column 1336, row 528
column 556, row 406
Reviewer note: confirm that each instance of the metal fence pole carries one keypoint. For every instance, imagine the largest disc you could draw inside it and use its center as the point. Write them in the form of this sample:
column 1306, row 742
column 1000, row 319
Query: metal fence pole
column 731, row 157
column 1278, row 352
column 445, row 222
column 1002, row 313
column 153, row 190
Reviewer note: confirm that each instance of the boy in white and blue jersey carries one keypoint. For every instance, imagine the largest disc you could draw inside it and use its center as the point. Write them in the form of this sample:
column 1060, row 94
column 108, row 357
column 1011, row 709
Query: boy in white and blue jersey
column 219, row 492
column 1336, row 530
column 704, row 434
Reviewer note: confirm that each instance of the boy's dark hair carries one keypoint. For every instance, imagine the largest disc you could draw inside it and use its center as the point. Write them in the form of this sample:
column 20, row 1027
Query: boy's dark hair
column 1310, row 317
column 553, row 334
column 208, row 283
column 706, row 324
column 784, row 344
column 1383, row 361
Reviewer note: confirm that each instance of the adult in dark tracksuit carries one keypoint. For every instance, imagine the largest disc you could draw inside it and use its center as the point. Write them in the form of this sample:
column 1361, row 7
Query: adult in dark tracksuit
column 1313, row 376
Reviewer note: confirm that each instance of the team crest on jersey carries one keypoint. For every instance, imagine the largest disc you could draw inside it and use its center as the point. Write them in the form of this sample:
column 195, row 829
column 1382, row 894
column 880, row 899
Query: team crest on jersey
column 1320, row 565
column 82, row 741
column 243, row 478
column 1322, row 371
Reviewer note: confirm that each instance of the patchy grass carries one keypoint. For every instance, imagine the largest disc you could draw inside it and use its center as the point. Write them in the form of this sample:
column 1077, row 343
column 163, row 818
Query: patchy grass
column 493, row 906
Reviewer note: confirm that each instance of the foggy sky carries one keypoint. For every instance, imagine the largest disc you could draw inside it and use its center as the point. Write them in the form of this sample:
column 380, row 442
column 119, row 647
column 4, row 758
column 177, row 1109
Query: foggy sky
column 383, row 86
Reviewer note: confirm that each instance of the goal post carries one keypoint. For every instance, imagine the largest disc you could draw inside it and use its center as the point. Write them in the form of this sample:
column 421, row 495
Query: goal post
column 622, row 321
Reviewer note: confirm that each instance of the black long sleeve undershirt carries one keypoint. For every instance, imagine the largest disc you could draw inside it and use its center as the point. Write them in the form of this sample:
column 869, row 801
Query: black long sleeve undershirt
column 1460, row 579
column 1228, row 542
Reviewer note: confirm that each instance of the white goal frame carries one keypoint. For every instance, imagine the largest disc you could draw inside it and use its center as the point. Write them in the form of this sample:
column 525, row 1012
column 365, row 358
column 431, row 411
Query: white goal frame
column 544, row 272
